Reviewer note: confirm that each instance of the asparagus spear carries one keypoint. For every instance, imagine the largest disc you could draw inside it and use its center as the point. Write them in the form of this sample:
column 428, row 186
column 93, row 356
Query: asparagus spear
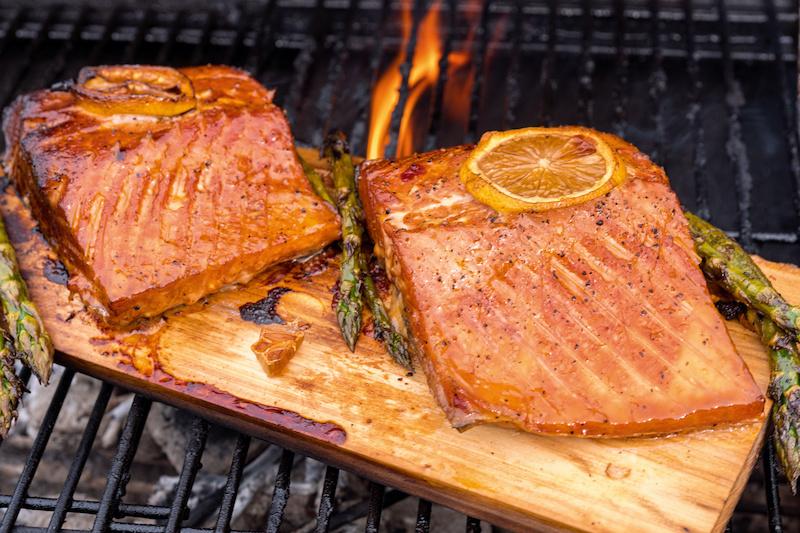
column 725, row 262
column 348, row 308
column 316, row 181
column 10, row 387
column 784, row 389
column 395, row 343
column 31, row 341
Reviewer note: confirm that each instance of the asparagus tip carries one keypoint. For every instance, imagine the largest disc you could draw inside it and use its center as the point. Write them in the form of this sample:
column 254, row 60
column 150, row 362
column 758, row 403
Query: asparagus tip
column 349, row 317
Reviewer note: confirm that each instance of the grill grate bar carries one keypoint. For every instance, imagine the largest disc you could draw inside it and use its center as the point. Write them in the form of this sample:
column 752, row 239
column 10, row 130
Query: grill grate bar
column 657, row 82
column 435, row 117
column 57, row 69
column 65, row 502
column 264, row 44
column 30, row 52
column 473, row 525
column 172, row 34
column 327, row 501
column 620, row 92
column 138, row 38
column 735, row 147
column 237, row 42
column 123, row 527
column 154, row 512
column 585, row 92
column 512, row 94
column 788, row 103
column 423, row 524
column 118, row 475
column 362, row 508
column 232, row 485
column 303, row 62
column 376, row 500
column 200, row 50
column 37, row 450
column 191, row 464
column 281, row 495
column 771, row 482
column 547, row 81
column 327, row 98
column 359, row 130
column 479, row 74
column 13, row 26
column 698, row 147
column 105, row 38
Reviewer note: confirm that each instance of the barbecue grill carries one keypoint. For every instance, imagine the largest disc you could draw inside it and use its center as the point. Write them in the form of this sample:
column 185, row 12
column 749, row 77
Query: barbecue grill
column 707, row 88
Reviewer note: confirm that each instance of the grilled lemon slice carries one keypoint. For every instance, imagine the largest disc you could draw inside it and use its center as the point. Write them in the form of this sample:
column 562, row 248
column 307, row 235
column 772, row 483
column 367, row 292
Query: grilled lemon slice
column 535, row 169
column 134, row 89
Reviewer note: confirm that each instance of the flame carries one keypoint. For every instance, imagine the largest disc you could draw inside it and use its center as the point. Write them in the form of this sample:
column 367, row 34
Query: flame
column 461, row 72
column 423, row 76
column 457, row 93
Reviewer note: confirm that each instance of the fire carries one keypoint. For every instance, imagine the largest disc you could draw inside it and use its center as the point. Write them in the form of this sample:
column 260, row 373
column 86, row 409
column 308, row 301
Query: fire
column 422, row 79
column 461, row 72
column 423, row 76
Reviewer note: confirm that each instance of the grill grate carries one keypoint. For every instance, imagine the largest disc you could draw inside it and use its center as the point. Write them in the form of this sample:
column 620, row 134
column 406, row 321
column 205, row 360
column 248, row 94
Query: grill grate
column 656, row 72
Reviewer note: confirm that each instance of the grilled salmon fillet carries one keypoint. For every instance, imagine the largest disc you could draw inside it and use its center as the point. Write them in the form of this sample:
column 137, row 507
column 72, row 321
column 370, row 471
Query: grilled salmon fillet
column 148, row 211
column 590, row 320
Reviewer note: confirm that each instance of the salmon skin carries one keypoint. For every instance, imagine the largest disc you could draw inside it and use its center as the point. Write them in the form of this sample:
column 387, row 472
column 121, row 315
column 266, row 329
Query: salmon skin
column 589, row 320
column 150, row 212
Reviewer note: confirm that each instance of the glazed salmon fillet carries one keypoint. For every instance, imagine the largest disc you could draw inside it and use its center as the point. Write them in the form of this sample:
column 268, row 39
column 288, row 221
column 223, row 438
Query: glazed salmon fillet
column 590, row 320
column 150, row 212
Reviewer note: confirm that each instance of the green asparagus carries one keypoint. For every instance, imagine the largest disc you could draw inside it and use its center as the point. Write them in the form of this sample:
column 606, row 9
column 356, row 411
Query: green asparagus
column 394, row 342
column 725, row 262
column 350, row 303
column 316, row 181
column 784, row 389
column 31, row 341
column 10, row 388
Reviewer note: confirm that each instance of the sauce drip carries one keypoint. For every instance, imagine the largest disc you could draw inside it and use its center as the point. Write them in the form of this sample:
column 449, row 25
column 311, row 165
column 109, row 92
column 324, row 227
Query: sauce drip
column 326, row 431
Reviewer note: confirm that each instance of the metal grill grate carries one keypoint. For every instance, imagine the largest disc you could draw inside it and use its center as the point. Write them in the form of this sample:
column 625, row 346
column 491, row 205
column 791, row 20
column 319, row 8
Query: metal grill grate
column 657, row 72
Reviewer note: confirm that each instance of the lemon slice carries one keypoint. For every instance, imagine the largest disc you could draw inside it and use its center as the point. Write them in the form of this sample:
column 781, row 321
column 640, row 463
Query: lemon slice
column 535, row 169
column 134, row 89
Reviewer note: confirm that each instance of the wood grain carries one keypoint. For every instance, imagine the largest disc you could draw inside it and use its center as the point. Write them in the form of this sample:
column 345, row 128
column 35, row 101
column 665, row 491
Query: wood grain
column 200, row 358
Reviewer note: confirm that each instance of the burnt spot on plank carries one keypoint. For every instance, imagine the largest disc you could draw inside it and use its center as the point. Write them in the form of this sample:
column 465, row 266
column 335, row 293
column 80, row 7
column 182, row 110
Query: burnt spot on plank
column 730, row 310
column 55, row 271
column 264, row 311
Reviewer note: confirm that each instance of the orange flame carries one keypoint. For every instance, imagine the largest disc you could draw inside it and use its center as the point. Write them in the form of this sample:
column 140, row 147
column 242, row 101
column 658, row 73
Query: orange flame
column 461, row 73
column 423, row 75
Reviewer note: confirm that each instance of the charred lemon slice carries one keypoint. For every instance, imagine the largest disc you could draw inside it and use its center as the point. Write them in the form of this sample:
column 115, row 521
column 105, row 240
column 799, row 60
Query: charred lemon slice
column 535, row 169
column 134, row 89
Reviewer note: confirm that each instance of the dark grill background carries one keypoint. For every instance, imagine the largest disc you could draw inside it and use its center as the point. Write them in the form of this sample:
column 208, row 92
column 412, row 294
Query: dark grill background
column 707, row 88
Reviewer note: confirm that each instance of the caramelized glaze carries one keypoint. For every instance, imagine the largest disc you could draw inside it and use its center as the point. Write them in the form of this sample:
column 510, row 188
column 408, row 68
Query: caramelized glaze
column 158, row 211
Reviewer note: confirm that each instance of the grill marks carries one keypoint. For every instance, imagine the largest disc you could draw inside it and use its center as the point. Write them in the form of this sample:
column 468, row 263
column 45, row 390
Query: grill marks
column 590, row 320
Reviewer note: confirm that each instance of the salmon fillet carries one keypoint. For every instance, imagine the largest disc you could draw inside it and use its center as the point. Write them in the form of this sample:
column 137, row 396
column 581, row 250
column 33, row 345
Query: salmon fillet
column 591, row 320
column 150, row 212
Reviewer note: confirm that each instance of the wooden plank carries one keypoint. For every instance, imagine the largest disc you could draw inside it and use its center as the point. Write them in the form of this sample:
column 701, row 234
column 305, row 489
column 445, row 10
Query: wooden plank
column 362, row 412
